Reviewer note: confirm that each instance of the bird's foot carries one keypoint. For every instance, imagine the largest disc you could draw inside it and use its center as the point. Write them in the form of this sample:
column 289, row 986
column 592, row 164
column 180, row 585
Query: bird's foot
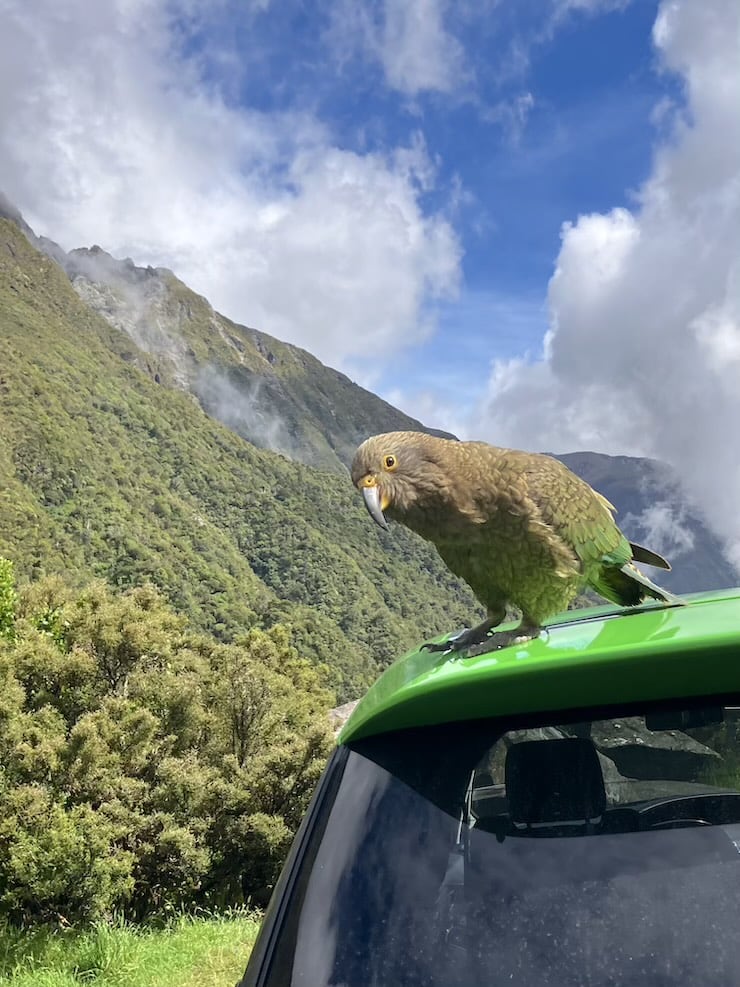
column 464, row 640
column 452, row 645
column 504, row 639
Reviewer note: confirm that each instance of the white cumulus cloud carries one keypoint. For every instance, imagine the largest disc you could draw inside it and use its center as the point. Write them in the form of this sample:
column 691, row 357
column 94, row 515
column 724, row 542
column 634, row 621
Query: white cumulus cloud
column 109, row 135
column 413, row 41
column 643, row 352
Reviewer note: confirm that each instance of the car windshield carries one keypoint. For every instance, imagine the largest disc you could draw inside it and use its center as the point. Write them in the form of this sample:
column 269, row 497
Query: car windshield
column 600, row 852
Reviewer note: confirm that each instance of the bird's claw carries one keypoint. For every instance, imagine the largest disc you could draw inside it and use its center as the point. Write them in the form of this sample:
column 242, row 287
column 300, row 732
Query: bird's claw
column 451, row 645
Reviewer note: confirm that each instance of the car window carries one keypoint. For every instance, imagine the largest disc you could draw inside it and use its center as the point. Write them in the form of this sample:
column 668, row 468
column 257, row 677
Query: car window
column 598, row 852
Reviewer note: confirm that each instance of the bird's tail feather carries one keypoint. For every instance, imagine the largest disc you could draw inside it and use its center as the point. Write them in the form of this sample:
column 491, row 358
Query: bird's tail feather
column 642, row 554
column 629, row 587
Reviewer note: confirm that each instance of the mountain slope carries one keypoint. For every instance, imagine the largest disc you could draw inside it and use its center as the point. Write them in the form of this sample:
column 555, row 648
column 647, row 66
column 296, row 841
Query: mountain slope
column 107, row 471
column 278, row 396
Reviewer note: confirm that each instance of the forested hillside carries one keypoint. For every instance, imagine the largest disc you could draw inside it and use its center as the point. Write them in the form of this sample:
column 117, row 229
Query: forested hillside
column 108, row 473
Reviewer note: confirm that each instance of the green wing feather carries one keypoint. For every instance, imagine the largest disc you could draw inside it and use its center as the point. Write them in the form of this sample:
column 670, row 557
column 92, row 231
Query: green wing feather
column 579, row 515
column 584, row 519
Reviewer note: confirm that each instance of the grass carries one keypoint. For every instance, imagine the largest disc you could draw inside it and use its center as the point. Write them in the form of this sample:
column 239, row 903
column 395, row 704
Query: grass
column 186, row 952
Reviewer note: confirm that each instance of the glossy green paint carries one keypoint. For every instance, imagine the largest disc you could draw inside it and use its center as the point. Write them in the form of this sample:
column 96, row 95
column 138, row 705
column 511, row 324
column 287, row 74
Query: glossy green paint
column 584, row 658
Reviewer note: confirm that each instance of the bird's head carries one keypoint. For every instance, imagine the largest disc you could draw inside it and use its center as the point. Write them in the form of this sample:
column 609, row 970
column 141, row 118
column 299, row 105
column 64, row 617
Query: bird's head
column 395, row 472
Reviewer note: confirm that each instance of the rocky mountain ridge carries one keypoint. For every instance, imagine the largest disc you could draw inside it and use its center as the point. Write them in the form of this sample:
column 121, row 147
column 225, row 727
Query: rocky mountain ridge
column 276, row 395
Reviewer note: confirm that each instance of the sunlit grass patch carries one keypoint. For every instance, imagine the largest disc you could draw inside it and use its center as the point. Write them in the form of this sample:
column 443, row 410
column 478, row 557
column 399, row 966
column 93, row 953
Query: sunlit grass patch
column 186, row 952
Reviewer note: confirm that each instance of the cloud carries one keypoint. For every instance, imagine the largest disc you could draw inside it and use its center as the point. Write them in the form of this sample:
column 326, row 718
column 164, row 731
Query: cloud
column 410, row 39
column 643, row 351
column 428, row 407
column 110, row 134
column 512, row 114
column 663, row 526
column 417, row 51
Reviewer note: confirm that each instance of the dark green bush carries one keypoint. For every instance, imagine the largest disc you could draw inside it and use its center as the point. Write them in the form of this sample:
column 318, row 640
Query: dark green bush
column 146, row 767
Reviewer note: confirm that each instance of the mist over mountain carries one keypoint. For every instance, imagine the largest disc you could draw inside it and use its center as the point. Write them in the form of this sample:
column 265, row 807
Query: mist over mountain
column 276, row 395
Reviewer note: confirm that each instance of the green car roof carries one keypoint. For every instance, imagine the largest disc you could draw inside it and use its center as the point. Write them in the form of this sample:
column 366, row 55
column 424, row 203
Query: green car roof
column 593, row 657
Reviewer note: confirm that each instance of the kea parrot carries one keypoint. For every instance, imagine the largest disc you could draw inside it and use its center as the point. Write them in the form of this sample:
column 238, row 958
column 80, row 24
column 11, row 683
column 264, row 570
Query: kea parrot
column 520, row 528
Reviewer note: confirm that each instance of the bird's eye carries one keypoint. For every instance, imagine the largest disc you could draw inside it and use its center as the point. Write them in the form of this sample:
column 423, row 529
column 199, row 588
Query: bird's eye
column 390, row 463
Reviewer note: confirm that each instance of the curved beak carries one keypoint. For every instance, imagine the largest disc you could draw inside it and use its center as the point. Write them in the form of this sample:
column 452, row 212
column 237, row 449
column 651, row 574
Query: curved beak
column 371, row 496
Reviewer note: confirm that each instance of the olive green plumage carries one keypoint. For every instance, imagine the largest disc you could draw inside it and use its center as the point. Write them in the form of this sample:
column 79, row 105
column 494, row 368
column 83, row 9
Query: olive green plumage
column 520, row 528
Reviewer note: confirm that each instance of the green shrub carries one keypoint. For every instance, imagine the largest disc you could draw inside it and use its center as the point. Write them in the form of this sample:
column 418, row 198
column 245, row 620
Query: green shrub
column 8, row 599
column 145, row 767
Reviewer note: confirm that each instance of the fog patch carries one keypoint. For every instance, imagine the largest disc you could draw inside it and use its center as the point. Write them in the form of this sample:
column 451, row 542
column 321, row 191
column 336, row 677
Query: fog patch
column 242, row 408
column 664, row 528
